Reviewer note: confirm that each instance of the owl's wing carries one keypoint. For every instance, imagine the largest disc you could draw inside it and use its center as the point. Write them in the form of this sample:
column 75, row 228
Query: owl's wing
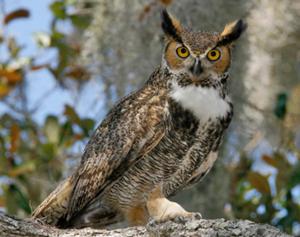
column 133, row 128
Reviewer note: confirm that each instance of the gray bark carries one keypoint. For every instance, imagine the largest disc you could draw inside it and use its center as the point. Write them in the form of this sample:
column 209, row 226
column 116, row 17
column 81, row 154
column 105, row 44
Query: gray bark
column 10, row 226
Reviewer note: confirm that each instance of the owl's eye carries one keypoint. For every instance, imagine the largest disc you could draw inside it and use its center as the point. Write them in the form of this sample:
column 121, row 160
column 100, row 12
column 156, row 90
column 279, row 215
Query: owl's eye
column 213, row 54
column 182, row 52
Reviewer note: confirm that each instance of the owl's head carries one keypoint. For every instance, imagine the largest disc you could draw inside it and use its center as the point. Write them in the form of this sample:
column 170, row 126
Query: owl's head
column 198, row 55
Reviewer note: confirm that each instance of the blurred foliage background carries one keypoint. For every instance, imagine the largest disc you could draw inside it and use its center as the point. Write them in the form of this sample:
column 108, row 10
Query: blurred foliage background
column 58, row 81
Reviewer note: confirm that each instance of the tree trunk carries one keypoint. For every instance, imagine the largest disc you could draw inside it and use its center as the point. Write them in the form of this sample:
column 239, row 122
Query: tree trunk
column 10, row 226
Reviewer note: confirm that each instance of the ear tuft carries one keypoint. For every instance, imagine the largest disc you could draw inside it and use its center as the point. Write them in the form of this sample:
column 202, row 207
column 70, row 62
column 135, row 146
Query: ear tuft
column 232, row 32
column 170, row 25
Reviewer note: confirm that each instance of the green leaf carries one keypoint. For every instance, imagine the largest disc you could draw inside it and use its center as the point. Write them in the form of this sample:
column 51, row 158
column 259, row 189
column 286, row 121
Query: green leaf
column 71, row 2
column 283, row 171
column 21, row 200
column 59, row 9
column 294, row 179
column 87, row 126
column 71, row 114
column 66, row 134
column 48, row 151
column 2, row 151
column 79, row 21
column 52, row 129
column 57, row 36
column 280, row 107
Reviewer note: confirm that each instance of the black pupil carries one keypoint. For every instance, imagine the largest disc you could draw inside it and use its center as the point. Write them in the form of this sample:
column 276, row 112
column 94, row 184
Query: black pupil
column 183, row 50
column 213, row 53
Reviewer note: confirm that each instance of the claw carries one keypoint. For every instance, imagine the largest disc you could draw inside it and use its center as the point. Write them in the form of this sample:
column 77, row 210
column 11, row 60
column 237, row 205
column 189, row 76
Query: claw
column 197, row 215
column 180, row 219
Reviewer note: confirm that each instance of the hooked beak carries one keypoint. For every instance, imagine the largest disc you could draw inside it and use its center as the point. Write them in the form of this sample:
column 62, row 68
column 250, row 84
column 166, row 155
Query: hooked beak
column 196, row 69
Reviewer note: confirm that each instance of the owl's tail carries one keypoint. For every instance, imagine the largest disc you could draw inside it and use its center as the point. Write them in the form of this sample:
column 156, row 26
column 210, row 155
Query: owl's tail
column 54, row 207
column 53, row 210
column 97, row 215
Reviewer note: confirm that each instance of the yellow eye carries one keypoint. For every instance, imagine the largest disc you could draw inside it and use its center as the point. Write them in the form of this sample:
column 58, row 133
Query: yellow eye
column 182, row 52
column 213, row 54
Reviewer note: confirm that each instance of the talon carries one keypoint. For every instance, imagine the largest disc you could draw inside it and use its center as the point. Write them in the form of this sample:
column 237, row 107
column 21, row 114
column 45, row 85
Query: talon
column 152, row 222
column 162, row 210
column 183, row 218
column 180, row 219
column 197, row 215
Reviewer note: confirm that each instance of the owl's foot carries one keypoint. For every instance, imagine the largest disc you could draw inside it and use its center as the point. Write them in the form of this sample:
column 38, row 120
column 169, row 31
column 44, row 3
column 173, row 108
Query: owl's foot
column 161, row 209
column 184, row 219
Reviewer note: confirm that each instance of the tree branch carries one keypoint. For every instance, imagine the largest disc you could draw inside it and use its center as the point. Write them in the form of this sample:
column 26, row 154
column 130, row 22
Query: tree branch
column 11, row 226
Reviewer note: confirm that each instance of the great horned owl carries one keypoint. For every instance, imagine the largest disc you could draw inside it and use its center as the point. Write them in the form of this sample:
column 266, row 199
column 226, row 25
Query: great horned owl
column 157, row 140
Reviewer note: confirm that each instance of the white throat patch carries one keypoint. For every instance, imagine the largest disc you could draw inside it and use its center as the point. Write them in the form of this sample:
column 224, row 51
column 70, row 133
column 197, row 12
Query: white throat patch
column 203, row 102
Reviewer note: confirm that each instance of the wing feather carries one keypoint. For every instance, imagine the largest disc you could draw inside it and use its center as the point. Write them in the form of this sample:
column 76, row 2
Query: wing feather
column 120, row 141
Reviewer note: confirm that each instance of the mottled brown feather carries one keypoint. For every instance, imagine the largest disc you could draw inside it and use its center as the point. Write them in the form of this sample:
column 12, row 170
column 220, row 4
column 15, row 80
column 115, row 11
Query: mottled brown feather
column 95, row 174
column 56, row 204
